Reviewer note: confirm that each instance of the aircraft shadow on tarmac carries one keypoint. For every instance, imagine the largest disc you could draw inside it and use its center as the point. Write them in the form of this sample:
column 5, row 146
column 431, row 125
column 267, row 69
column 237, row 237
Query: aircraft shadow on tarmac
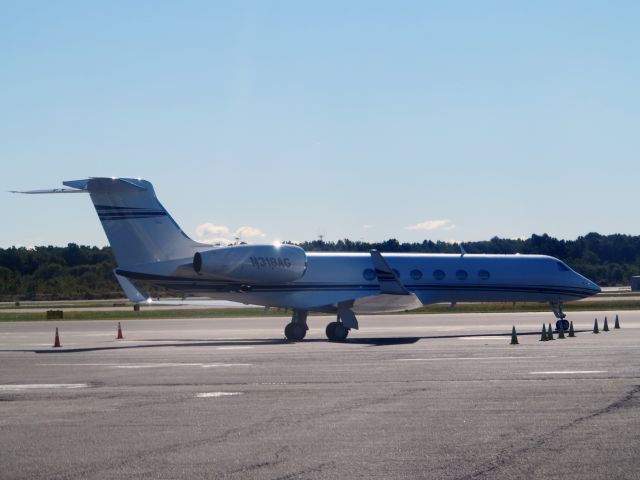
column 373, row 342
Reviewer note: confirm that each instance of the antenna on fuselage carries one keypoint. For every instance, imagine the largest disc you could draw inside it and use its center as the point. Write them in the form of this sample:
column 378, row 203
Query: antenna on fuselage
column 463, row 252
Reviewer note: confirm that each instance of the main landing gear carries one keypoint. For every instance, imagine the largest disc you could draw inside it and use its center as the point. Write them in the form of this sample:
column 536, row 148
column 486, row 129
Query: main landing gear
column 562, row 323
column 297, row 328
column 337, row 332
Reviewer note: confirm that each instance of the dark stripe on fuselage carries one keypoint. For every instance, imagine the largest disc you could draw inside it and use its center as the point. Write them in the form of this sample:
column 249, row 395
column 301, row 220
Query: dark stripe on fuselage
column 109, row 212
column 179, row 283
column 129, row 216
column 110, row 207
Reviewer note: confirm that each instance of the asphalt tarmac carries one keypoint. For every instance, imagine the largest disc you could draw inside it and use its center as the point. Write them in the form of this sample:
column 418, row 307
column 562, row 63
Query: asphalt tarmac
column 408, row 396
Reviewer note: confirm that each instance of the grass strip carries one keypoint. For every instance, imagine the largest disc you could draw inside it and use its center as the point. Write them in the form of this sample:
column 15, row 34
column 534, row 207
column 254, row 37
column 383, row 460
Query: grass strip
column 185, row 312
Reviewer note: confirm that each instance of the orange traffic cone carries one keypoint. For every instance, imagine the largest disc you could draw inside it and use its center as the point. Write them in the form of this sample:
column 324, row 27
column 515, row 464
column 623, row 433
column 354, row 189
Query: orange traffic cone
column 120, row 336
column 56, row 341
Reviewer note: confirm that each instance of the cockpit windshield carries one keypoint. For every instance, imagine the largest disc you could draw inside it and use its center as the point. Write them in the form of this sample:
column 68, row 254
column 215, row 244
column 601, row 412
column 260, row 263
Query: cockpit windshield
column 562, row 267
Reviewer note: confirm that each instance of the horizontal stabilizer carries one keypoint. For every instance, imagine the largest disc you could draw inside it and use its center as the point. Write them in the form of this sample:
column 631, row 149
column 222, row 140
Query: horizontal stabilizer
column 130, row 290
column 51, row 190
column 135, row 296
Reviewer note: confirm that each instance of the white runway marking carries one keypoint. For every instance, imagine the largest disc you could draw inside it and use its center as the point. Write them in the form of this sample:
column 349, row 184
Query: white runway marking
column 484, row 338
column 437, row 359
column 233, row 348
column 217, row 394
column 33, row 386
column 216, row 365
column 568, row 372
column 165, row 365
column 92, row 334
column 145, row 365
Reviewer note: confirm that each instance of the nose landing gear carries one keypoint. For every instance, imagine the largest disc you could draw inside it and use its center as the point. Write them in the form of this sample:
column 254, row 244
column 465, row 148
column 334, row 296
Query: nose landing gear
column 562, row 323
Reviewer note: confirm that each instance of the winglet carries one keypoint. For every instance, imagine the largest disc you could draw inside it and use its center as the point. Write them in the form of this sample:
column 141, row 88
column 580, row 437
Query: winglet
column 389, row 281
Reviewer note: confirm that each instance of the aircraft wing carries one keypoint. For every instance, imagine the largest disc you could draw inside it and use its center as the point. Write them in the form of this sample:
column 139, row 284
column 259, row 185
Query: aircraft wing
column 393, row 295
column 385, row 302
column 389, row 281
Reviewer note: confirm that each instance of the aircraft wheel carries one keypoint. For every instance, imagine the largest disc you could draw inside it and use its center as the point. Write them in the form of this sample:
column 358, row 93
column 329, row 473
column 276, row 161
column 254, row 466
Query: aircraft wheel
column 562, row 324
column 337, row 332
column 295, row 331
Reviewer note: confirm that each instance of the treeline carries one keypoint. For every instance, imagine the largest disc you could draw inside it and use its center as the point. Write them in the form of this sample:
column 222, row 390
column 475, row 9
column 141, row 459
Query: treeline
column 57, row 273
column 81, row 272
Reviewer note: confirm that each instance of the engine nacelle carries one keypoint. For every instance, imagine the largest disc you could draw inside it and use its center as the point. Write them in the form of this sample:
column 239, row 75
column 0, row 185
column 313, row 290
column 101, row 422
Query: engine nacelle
column 253, row 263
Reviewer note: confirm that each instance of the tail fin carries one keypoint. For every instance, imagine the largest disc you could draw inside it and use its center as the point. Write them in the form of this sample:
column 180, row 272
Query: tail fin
column 138, row 227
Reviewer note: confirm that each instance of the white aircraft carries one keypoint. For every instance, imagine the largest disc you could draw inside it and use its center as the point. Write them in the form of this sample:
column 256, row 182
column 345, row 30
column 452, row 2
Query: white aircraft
column 148, row 245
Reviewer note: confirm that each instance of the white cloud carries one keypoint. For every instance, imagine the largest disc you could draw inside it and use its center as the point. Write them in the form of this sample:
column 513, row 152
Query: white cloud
column 367, row 226
column 429, row 225
column 207, row 229
column 210, row 233
column 246, row 232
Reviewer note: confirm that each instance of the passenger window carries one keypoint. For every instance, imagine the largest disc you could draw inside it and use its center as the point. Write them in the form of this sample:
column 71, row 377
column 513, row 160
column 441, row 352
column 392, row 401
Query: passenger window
column 438, row 274
column 484, row 275
column 415, row 274
column 461, row 275
column 369, row 274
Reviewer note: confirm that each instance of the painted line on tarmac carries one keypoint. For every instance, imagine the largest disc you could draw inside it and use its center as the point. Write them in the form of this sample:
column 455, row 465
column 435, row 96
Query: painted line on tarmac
column 217, row 365
column 168, row 365
column 233, row 348
column 145, row 365
column 217, row 394
column 33, row 386
column 72, row 334
column 568, row 372
column 501, row 338
column 438, row 359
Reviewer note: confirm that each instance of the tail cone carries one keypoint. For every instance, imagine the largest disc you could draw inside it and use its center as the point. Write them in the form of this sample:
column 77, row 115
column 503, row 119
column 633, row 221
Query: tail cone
column 56, row 341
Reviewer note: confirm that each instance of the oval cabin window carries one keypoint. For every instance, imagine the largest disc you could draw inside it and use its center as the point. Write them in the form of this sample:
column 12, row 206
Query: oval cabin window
column 484, row 275
column 462, row 274
column 369, row 274
column 415, row 274
column 438, row 274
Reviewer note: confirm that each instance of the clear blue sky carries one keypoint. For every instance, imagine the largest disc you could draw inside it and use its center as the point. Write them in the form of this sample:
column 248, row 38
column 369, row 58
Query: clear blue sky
column 463, row 120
